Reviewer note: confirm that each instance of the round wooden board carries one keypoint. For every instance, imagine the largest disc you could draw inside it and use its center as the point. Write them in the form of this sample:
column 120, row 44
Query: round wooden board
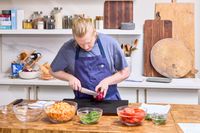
column 171, row 58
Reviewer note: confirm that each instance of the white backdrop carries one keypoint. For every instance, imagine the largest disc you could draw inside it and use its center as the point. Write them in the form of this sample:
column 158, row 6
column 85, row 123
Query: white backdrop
column 143, row 9
column 11, row 45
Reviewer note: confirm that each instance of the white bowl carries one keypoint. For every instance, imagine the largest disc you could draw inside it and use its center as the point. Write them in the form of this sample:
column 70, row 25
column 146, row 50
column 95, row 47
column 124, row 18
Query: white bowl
column 29, row 75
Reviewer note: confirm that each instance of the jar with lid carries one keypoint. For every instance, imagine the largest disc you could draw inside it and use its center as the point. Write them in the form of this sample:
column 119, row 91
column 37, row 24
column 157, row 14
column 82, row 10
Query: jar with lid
column 40, row 24
column 36, row 16
column 27, row 24
column 99, row 22
column 49, row 22
column 65, row 22
column 101, row 25
column 56, row 12
column 70, row 18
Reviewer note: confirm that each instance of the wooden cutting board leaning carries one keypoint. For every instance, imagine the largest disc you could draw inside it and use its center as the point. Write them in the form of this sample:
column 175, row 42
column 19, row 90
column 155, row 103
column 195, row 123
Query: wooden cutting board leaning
column 171, row 58
column 116, row 12
column 154, row 30
column 182, row 17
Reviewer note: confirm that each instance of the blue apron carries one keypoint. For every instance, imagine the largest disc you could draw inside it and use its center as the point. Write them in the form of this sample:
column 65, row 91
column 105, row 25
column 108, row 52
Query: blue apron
column 90, row 71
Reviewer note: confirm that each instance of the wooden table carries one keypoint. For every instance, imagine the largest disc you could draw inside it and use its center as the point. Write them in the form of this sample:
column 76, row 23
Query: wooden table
column 178, row 113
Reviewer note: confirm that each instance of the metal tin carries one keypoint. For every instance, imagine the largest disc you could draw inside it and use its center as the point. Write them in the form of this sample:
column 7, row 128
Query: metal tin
column 15, row 69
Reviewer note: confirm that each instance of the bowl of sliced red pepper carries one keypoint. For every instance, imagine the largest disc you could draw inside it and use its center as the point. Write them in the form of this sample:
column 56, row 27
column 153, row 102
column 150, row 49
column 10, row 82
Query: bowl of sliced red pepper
column 131, row 115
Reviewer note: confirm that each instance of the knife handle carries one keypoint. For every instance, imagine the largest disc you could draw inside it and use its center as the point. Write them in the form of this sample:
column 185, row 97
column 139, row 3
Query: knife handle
column 17, row 101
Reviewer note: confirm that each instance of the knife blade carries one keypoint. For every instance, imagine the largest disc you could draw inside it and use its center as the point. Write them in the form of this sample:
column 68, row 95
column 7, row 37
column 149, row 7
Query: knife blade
column 89, row 92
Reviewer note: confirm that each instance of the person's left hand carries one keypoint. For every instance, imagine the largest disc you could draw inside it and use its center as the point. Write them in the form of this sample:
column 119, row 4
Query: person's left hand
column 102, row 87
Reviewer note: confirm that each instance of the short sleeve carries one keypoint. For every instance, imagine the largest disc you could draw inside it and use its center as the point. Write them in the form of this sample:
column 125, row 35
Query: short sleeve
column 118, row 57
column 60, row 62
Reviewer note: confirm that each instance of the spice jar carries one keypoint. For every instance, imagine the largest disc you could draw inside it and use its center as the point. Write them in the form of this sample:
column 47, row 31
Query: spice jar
column 70, row 18
column 65, row 22
column 40, row 25
column 58, row 17
column 99, row 22
column 101, row 26
column 36, row 16
column 27, row 24
column 49, row 22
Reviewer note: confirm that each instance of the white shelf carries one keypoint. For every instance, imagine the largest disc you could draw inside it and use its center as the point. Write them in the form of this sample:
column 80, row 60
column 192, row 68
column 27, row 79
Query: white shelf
column 6, row 80
column 185, row 83
column 68, row 32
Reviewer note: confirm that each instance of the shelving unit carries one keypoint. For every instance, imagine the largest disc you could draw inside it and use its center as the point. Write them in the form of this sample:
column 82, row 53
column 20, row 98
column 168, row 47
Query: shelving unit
column 69, row 31
column 175, row 84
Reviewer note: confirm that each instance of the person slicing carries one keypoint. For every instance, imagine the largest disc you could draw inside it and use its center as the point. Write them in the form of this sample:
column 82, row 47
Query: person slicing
column 91, row 60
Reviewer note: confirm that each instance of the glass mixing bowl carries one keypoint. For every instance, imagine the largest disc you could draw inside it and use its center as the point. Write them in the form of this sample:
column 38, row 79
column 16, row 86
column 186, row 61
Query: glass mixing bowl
column 130, row 115
column 89, row 115
column 60, row 112
column 25, row 113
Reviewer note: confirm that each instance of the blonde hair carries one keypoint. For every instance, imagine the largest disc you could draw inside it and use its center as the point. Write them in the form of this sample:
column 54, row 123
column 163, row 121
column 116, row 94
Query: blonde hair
column 81, row 25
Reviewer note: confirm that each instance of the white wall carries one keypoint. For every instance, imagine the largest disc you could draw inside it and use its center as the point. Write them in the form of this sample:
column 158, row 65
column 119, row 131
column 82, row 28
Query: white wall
column 143, row 9
column 49, row 44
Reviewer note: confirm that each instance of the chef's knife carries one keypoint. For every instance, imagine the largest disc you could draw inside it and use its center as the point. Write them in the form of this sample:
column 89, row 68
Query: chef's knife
column 89, row 92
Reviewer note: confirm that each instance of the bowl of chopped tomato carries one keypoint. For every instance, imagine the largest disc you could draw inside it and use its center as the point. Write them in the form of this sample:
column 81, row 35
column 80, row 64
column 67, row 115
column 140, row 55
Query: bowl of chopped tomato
column 130, row 115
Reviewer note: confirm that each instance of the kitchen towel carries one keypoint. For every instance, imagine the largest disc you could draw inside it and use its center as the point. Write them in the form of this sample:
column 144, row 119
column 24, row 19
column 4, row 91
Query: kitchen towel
column 190, row 127
column 152, row 108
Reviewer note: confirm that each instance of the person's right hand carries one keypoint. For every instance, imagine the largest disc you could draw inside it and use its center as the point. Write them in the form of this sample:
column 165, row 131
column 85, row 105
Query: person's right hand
column 75, row 83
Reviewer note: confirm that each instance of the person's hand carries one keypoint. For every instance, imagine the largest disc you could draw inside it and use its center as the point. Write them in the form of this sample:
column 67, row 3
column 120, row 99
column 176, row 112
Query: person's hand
column 102, row 87
column 75, row 83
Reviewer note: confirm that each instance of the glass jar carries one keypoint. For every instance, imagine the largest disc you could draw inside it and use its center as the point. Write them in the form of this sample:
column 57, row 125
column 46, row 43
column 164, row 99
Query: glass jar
column 65, row 22
column 36, row 16
column 99, row 22
column 70, row 18
column 40, row 24
column 49, row 22
column 101, row 26
column 58, row 17
column 27, row 24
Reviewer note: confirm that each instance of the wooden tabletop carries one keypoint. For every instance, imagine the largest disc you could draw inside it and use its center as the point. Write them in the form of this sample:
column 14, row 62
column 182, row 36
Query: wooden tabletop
column 178, row 113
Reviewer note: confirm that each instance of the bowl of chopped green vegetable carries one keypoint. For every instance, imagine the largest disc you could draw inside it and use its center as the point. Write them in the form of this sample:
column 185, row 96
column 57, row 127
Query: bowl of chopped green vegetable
column 159, row 119
column 89, row 115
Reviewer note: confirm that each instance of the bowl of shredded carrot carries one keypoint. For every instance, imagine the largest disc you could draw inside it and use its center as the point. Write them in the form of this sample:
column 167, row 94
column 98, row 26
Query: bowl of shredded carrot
column 60, row 112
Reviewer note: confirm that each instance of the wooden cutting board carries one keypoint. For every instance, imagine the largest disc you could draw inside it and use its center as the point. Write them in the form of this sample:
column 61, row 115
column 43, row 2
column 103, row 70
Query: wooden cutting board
column 109, row 106
column 116, row 12
column 182, row 17
column 154, row 30
column 171, row 58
